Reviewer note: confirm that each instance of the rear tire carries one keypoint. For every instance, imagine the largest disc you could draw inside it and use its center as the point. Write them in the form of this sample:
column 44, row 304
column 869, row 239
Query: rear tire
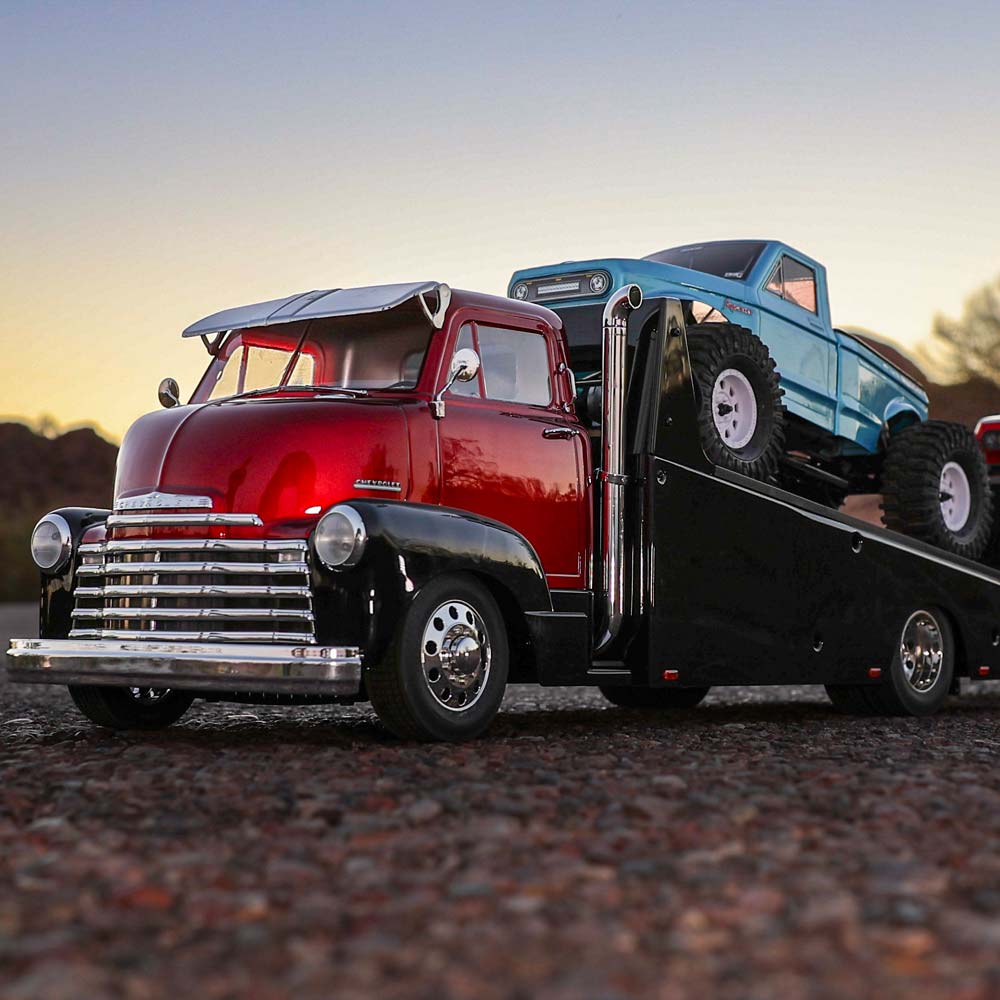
column 130, row 708
column 935, row 487
column 445, row 673
column 737, row 391
column 655, row 698
column 920, row 676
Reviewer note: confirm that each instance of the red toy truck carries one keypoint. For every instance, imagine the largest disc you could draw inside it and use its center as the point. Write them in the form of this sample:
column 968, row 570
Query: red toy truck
column 386, row 494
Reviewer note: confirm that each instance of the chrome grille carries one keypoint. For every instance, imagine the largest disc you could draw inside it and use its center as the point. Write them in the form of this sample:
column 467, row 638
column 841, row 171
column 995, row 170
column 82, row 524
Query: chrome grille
column 193, row 589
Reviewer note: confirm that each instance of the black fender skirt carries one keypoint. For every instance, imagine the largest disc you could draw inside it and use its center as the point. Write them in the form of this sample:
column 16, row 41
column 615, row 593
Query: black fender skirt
column 410, row 544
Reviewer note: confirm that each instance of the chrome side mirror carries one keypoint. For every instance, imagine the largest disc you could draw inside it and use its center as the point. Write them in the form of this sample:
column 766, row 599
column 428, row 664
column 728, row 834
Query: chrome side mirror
column 464, row 368
column 169, row 393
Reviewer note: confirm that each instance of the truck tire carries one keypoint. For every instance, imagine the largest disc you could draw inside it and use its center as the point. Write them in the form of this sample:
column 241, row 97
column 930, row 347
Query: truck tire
column 740, row 414
column 662, row 698
column 130, row 708
column 920, row 676
column 935, row 487
column 420, row 694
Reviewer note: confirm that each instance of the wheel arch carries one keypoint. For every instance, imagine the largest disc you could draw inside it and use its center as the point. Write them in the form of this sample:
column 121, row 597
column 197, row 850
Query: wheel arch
column 899, row 414
column 411, row 544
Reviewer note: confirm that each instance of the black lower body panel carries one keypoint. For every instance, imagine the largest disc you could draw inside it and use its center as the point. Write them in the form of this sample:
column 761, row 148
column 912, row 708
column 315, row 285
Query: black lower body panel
column 751, row 585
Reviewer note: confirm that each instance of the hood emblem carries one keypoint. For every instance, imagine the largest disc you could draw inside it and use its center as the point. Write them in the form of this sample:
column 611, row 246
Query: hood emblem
column 382, row 485
column 163, row 501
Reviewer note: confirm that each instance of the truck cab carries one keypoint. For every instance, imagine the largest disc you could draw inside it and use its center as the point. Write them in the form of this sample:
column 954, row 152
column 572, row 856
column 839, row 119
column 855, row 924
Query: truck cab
column 296, row 414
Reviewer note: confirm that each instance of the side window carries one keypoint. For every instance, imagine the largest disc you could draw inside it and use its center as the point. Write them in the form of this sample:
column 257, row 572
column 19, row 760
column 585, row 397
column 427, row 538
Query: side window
column 465, row 388
column 774, row 283
column 800, row 284
column 515, row 365
column 794, row 282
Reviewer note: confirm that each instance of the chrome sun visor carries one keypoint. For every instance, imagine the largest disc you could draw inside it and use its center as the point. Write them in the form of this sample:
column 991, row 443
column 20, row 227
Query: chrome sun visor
column 434, row 298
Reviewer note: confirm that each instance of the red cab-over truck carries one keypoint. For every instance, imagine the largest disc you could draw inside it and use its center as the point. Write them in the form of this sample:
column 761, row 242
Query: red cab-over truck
column 388, row 494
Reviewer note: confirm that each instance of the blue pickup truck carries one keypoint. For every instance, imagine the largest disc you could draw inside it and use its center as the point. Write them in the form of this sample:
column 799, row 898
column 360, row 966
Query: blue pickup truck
column 784, row 396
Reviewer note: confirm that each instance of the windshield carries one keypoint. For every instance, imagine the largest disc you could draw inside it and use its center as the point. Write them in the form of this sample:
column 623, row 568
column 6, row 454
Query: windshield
column 375, row 351
column 730, row 259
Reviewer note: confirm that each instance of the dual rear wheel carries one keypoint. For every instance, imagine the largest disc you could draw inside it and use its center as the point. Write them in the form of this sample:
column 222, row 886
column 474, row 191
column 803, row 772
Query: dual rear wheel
column 920, row 676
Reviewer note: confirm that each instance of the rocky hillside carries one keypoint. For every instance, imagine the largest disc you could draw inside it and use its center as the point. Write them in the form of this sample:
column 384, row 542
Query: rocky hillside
column 76, row 469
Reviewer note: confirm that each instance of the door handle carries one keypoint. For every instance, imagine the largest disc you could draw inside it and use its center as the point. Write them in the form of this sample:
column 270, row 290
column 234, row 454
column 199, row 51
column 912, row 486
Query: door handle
column 560, row 432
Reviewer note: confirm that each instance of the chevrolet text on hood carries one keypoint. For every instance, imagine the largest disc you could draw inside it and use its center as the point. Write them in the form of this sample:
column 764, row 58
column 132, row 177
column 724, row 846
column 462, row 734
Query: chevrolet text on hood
column 412, row 496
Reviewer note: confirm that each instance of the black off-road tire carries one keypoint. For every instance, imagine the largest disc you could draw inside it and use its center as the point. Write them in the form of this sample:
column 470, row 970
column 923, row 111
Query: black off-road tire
column 655, row 698
column 893, row 695
column 911, row 477
column 397, row 686
column 714, row 348
column 119, row 708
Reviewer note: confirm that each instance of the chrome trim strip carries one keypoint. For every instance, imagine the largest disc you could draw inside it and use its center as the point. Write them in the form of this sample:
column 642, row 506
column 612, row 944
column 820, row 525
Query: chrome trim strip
column 155, row 500
column 612, row 474
column 194, row 568
column 205, row 545
column 189, row 663
column 183, row 520
column 196, row 614
column 379, row 485
column 198, row 590
column 142, row 635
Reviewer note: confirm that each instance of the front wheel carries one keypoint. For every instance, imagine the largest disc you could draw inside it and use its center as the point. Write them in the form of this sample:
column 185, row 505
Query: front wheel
column 445, row 673
column 935, row 487
column 741, row 418
column 130, row 708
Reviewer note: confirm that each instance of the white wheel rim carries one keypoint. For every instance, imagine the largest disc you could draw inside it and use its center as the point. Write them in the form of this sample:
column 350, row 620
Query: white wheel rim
column 956, row 496
column 734, row 408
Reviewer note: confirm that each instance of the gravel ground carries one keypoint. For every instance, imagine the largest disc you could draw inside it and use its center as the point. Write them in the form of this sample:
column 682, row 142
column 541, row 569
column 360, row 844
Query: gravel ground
column 759, row 846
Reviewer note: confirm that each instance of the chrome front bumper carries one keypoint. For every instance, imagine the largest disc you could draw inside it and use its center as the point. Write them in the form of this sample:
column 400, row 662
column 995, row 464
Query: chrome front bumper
column 221, row 666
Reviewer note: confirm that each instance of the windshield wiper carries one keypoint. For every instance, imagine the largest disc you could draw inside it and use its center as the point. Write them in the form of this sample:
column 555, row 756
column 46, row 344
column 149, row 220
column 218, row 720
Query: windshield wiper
column 325, row 389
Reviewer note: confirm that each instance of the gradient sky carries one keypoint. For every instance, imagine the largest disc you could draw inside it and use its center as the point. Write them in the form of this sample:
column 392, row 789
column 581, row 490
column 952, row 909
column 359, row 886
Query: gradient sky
column 162, row 161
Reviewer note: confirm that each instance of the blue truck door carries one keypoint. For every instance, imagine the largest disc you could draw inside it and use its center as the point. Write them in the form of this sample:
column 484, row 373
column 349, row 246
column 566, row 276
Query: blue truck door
column 795, row 325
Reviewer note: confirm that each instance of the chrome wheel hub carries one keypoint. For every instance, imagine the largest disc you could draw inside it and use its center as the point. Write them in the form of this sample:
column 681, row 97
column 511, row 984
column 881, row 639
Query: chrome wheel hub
column 921, row 651
column 455, row 655
column 955, row 495
column 734, row 408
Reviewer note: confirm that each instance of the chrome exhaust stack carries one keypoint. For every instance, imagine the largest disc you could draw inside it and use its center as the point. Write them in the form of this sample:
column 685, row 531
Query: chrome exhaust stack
column 612, row 473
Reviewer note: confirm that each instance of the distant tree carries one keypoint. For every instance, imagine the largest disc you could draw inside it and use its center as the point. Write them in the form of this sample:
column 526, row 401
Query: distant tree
column 969, row 347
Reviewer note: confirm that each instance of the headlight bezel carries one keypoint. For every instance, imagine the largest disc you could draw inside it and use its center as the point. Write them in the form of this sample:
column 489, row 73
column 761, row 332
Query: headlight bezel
column 64, row 539
column 358, row 533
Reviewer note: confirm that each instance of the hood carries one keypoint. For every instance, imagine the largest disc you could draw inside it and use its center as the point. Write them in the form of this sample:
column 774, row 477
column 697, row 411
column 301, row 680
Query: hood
column 278, row 457
column 653, row 277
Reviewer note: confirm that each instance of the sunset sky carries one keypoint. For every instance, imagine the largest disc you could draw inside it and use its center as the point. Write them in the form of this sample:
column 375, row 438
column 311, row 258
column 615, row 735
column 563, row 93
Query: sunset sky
column 163, row 161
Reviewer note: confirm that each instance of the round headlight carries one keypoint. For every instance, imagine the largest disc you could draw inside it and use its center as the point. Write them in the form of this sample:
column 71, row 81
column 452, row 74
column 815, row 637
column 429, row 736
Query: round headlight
column 339, row 538
column 520, row 291
column 598, row 283
column 51, row 543
column 991, row 440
